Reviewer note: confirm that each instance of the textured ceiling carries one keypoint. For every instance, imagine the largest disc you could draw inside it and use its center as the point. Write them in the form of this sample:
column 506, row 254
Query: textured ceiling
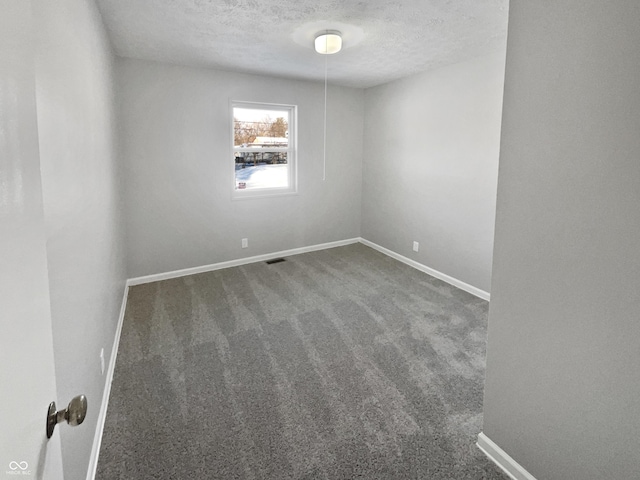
column 383, row 39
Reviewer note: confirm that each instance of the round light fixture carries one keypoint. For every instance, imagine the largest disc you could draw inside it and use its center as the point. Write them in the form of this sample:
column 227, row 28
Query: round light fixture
column 328, row 42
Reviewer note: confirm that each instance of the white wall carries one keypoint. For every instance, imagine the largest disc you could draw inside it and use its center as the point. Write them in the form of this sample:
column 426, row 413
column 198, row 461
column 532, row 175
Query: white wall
column 562, row 385
column 430, row 167
column 175, row 130
column 82, row 206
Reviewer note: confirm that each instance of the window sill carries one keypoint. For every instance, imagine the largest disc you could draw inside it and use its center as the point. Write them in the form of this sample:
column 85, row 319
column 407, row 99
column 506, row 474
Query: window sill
column 262, row 193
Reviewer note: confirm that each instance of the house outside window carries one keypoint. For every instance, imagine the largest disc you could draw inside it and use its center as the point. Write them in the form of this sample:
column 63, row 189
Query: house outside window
column 264, row 149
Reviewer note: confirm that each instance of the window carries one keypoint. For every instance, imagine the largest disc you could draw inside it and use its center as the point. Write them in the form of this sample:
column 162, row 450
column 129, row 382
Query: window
column 264, row 149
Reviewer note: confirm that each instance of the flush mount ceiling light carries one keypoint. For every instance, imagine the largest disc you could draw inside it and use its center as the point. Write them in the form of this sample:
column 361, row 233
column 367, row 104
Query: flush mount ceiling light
column 328, row 42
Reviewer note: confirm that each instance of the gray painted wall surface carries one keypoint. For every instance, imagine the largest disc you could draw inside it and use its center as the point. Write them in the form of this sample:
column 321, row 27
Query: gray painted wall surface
column 563, row 384
column 176, row 134
column 82, row 212
column 430, row 167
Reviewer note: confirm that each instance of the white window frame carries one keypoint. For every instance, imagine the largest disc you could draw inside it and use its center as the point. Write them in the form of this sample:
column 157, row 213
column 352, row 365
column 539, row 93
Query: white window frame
column 291, row 151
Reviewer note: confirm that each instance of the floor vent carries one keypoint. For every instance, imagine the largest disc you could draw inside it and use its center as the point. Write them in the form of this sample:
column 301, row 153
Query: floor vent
column 275, row 260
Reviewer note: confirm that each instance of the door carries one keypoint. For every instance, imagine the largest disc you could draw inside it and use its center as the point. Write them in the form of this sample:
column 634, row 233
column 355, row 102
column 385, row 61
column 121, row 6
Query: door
column 27, row 375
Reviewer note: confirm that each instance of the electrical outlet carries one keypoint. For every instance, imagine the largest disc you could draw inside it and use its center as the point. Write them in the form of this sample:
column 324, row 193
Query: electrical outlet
column 102, row 361
column 416, row 246
column 245, row 243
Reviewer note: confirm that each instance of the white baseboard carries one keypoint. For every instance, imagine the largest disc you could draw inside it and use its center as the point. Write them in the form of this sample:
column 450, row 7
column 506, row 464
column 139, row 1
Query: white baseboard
column 102, row 415
column 296, row 251
column 235, row 263
column 502, row 459
column 430, row 271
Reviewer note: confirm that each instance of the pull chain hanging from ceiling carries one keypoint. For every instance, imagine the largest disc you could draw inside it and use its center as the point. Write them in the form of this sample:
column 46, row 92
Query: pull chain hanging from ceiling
column 327, row 43
column 324, row 140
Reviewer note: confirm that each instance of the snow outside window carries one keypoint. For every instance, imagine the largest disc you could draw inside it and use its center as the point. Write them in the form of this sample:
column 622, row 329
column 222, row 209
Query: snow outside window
column 264, row 149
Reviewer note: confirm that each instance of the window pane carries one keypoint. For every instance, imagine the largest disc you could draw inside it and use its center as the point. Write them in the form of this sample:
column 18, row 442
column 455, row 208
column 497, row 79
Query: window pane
column 260, row 128
column 264, row 156
column 261, row 169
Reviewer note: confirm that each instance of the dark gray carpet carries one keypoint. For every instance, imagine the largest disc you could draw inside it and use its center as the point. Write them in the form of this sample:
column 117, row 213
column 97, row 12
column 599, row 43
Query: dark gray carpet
column 337, row 364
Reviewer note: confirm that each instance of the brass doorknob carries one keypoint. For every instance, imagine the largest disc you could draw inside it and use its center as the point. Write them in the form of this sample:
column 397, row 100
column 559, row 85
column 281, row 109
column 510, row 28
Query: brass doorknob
column 74, row 414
